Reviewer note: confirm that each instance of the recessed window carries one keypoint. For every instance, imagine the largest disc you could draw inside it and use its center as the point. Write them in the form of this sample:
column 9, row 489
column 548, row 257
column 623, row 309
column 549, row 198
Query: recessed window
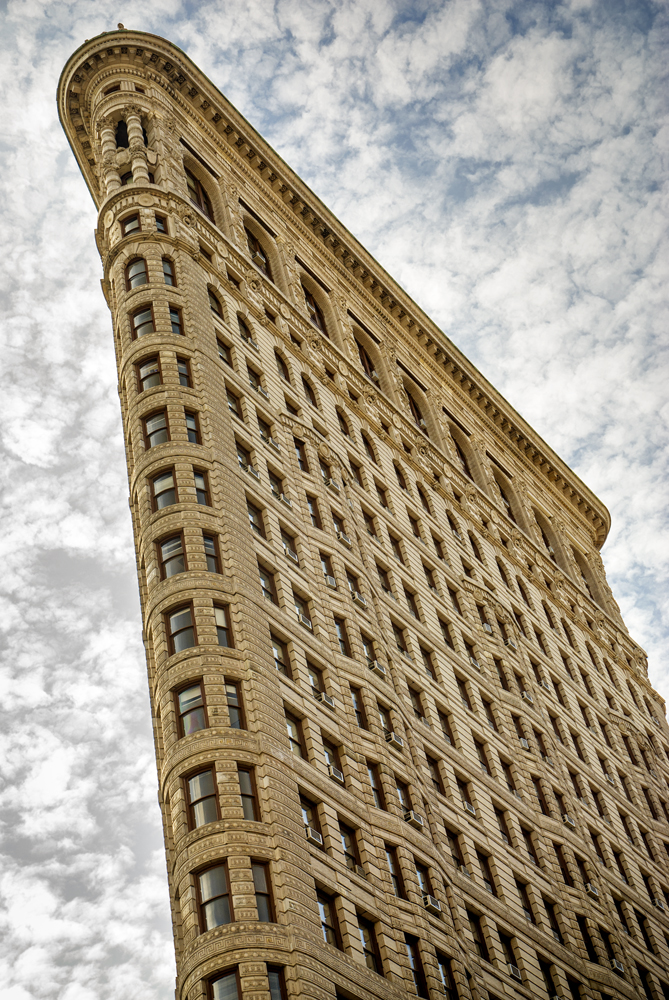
column 156, row 430
column 281, row 656
column 244, row 457
column 215, row 900
column 148, row 374
column 233, row 403
column 370, row 947
column 202, row 799
column 164, row 490
column 367, row 363
column 198, row 195
column 211, row 553
column 224, row 352
column 247, row 791
column 309, row 392
column 180, row 628
column 112, row 90
column 175, row 320
column 183, row 368
column 130, row 224
column 301, row 455
column 142, row 322
column 171, row 556
column 233, row 698
column 192, row 427
column 168, row 272
column 295, row 738
column 135, row 273
column 282, row 367
column 328, row 915
column 226, row 987
column 257, row 253
column 201, row 487
column 314, row 311
column 267, row 584
column 215, row 305
column 223, row 630
column 161, row 224
column 191, row 710
column 126, row 178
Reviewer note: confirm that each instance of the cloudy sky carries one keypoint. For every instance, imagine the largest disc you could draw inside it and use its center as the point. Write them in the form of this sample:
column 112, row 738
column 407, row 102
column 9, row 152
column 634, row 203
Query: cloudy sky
column 503, row 160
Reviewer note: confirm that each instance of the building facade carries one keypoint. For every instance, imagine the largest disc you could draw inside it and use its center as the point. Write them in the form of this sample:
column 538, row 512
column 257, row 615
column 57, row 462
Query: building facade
column 405, row 743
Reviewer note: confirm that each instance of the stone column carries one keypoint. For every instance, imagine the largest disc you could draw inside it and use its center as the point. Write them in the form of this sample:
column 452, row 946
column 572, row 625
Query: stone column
column 111, row 178
column 140, row 170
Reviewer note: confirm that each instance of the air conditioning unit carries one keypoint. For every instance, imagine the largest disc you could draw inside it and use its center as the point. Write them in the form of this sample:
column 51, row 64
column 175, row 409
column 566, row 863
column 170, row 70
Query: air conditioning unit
column 413, row 819
column 569, row 820
column 511, row 643
column 651, row 770
column 617, row 966
column 274, row 444
column 526, row 696
column 545, row 685
column 325, row 699
column 377, row 667
column 525, row 744
column 469, row 808
column 655, row 720
column 659, row 904
column 292, row 554
column 515, row 972
column 474, row 662
column 303, row 620
column 335, row 773
column 486, row 627
column 330, row 581
column 257, row 259
column 395, row 741
column 432, row 905
column 284, row 499
column 344, row 539
column 313, row 836
column 331, row 485
column 263, row 392
column 591, row 890
column 358, row 599
column 359, row 870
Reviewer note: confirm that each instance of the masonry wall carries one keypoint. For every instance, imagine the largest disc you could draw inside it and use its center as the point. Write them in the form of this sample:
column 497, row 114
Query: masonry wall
column 416, row 583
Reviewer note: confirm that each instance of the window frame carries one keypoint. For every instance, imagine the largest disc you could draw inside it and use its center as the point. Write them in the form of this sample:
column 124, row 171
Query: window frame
column 138, row 365
column 149, row 416
column 162, row 561
column 130, row 218
column 220, row 863
column 154, row 496
column 126, row 273
column 268, row 893
column 202, row 200
column 146, row 307
column 180, row 715
column 196, row 419
column 205, row 476
column 186, row 778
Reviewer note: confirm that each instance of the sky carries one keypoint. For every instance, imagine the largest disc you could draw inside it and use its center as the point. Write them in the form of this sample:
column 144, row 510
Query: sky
column 506, row 163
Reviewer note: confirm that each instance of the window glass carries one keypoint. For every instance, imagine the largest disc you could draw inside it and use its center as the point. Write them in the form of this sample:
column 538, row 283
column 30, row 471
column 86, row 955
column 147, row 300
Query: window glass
column 211, row 553
column 175, row 320
column 142, row 322
column 164, row 490
column 130, row 225
column 135, row 273
column 183, row 368
column 156, row 429
column 149, row 374
column 223, row 625
column 225, row 988
column 181, row 630
column 215, row 896
column 191, row 709
column 262, row 891
column 168, row 272
column 202, row 798
column 234, row 705
column 172, row 559
column 201, row 491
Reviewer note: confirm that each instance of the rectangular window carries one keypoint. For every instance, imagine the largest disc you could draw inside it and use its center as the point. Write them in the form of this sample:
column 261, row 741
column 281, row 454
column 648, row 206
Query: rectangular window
column 486, row 873
column 235, row 707
column 211, row 552
column 314, row 513
column 447, row 980
column 191, row 709
column 234, row 406
column 223, row 630
column 342, row 637
column 328, row 915
column 417, row 971
column 477, row 933
column 247, row 790
column 295, row 738
column 192, row 427
column 180, row 629
column 142, row 322
column 369, row 945
column 446, row 633
column 156, row 429
column 224, row 352
column 202, row 799
column 281, row 656
column 263, row 893
column 301, row 454
column 131, row 224
column 201, row 487
column 214, row 897
column 255, row 519
column 395, row 871
column 349, row 846
column 171, row 558
column 376, row 785
column 164, row 490
column 267, row 584
column 277, row 985
column 359, row 708
column 183, row 367
column 148, row 374
column 175, row 320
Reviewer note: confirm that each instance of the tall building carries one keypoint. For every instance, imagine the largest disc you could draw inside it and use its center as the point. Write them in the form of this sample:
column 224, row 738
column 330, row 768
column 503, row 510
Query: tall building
column 405, row 743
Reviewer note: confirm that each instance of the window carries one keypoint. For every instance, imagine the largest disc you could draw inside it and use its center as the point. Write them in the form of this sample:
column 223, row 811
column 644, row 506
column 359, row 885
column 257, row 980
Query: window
column 191, row 710
column 277, row 988
column 223, row 630
column 454, row 600
column 446, row 633
column 349, row 846
column 201, row 488
column 376, row 785
column 447, row 980
column 234, row 702
column 164, row 490
column 247, row 791
column 135, row 273
column 310, row 815
column 314, row 312
column 503, row 825
column 477, row 933
column 267, row 584
column 142, row 322
column 281, row 656
column 367, row 363
column 415, row 527
column 192, row 428
column 211, row 553
column 215, row 305
column 369, row 945
column 198, row 195
column 382, row 495
column 301, row 454
column 295, row 739
column 148, row 374
column 551, row 913
column 171, row 556
column 214, row 897
column 369, row 524
column 343, row 426
column 328, row 915
column 314, row 513
column 529, row 845
column 226, row 987
column 130, row 225
column 359, row 708
column 482, row 756
column 309, row 392
column 395, row 871
column 426, row 657
column 261, row 885
column 282, row 367
column 175, row 320
column 368, row 448
column 587, row 938
column 180, row 629
column 257, row 254
column 411, row 602
column 342, row 637
column 168, row 272
column 435, row 777
column 417, row 971
column 202, row 799
column 416, row 411
column 233, row 403
column 525, row 901
column 255, row 519
column 563, row 866
column 183, row 368
column 507, row 948
column 368, row 647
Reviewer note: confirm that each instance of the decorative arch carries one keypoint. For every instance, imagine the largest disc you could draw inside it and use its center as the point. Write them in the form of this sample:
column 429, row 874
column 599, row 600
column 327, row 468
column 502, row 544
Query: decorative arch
column 510, row 502
column 587, row 577
column 322, row 317
column 200, row 189
column 368, row 355
column 262, row 248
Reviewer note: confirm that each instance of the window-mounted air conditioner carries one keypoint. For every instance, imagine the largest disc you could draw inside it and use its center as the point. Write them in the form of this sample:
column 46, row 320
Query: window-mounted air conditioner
column 569, row 821
column 377, row 668
column 514, row 971
column 432, row 905
column 358, row 599
column 330, row 581
column 306, row 622
column 325, row 699
column 313, row 836
column 525, row 744
column 413, row 819
column 336, row 774
column 395, row 741
column 344, row 539
column 591, row 890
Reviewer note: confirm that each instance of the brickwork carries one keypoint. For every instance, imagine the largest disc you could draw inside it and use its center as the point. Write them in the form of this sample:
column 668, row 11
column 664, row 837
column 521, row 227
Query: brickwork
column 470, row 795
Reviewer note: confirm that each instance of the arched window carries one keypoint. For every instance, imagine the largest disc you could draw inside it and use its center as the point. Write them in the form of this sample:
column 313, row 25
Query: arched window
column 142, row 322
column 368, row 447
column 168, row 272
column 464, row 464
column 416, row 412
column 504, row 492
column 198, row 195
column 584, row 572
column 126, row 179
column 423, row 499
column 258, row 255
column 282, row 367
column 135, row 273
column 367, row 363
column 122, row 141
column 215, row 305
column 309, row 392
column 343, row 425
column 315, row 313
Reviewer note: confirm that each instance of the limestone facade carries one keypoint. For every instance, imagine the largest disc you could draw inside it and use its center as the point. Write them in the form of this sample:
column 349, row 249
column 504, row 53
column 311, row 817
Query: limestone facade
column 405, row 743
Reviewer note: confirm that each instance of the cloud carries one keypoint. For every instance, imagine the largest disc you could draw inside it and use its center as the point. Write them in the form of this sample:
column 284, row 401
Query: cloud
column 504, row 161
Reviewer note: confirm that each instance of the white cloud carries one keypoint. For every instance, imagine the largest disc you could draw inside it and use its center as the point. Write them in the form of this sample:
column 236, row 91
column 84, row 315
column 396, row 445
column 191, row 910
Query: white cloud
column 503, row 161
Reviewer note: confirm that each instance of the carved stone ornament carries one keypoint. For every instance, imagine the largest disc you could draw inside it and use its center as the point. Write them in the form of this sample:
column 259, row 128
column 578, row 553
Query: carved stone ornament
column 133, row 109
column 222, row 249
column 397, row 420
column 370, row 396
column 324, row 450
column 314, row 342
column 502, row 614
column 108, row 219
column 284, row 309
column 187, row 217
column 471, row 494
column 342, row 367
column 106, row 122
column 146, row 200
